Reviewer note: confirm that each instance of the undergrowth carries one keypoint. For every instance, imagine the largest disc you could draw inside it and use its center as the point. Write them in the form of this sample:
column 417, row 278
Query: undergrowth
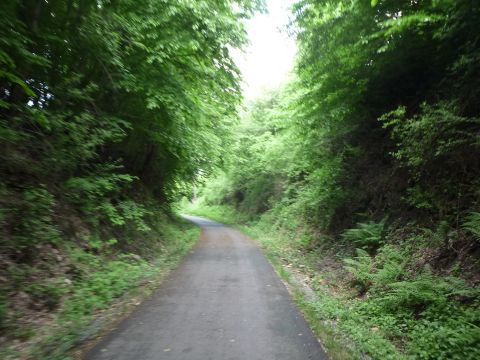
column 91, row 282
column 377, row 301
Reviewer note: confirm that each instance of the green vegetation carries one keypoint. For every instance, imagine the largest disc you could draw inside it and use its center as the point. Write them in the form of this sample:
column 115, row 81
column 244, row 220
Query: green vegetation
column 362, row 173
column 109, row 111
column 384, row 305
column 81, row 285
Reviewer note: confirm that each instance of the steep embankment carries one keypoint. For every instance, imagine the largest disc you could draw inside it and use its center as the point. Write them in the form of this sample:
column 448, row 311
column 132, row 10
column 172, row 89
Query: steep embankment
column 49, row 302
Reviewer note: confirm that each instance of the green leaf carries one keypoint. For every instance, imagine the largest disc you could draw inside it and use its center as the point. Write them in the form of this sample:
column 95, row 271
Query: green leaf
column 15, row 79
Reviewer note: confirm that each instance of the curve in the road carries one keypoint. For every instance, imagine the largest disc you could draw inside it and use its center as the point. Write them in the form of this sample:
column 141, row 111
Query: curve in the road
column 224, row 302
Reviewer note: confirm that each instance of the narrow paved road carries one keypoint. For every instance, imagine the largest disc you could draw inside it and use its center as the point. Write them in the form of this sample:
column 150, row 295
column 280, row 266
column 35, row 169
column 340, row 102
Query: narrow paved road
column 224, row 302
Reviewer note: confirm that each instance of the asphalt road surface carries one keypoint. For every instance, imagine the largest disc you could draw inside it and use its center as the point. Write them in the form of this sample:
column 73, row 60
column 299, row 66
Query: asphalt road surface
column 224, row 302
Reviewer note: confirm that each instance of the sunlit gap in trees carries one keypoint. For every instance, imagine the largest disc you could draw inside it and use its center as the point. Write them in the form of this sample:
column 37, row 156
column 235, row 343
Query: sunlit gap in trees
column 268, row 59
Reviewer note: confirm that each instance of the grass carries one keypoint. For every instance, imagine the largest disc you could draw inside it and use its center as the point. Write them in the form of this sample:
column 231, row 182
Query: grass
column 104, row 287
column 380, row 307
column 342, row 333
column 276, row 249
column 224, row 214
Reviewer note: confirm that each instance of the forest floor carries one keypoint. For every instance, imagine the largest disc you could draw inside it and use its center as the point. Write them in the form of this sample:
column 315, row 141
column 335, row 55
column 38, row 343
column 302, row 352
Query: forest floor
column 225, row 300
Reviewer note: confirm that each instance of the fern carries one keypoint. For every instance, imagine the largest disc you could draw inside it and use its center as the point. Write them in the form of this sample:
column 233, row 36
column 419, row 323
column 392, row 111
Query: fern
column 472, row 224
column 427, row 289
column 370, row 234
column 389, row 265
column 361, row 268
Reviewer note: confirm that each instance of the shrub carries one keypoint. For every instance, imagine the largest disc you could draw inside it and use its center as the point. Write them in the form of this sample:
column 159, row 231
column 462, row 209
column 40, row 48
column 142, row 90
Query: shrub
column 35, row 218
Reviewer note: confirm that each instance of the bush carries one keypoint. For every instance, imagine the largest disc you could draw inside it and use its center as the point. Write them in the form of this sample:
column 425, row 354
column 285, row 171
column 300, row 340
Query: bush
column 35, row 219
column 438, row 146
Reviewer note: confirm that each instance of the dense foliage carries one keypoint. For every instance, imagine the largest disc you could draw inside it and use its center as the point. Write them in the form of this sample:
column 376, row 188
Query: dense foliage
column 99, row 97
column 381, row 121
column 368, row 159
column 371, row 154
column 383, row 116
column 109, row 109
